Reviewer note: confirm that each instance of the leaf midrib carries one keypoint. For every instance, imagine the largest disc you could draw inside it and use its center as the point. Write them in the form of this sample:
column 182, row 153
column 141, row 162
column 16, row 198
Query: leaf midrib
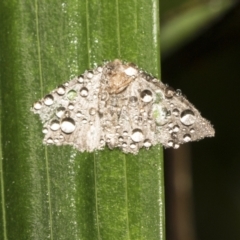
column 45, row 148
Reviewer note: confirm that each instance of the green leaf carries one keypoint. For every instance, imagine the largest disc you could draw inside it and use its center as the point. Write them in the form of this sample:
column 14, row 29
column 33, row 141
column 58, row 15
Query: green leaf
column 50, row 192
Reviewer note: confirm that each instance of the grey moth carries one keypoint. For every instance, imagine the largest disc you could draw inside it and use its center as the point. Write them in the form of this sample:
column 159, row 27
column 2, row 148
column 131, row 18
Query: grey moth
column 121, row 106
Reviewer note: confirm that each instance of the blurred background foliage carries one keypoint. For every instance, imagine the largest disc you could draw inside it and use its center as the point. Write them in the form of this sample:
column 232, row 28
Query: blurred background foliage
column 200, row 46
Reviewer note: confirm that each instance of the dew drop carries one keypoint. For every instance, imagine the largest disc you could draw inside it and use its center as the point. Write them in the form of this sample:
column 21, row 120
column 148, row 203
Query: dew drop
column 61, row 137
column 84, row 92
column 81, row 79
column 147, row 143
column 174, row 135
column 61, row 90
column 176, row 146
column 159, row 96
column 48, row 100
column 92, row 111
column 187, row 117
column 133, row 145
column 178, row 92
column 104, row 96
column 192, row 130
column 84, row 121
column 170, row 143
column 130, row 71
column 45, row 130
column 160, row 114
column 90, row 74
column 55, row 125
column 68, row 125
column 169, row 92
column 49, row 140
column 71, row 95
column 137, row 135
column 187, row 138
column 60, row 112
column 154, row 80
column 120, row 139
column 176, row 128
column 133, row 100
column 146, row 96
column 175, row 112
column 79, row 114
column 71, row 106
column 37, row 105
column 100, row 69
column 125, row 133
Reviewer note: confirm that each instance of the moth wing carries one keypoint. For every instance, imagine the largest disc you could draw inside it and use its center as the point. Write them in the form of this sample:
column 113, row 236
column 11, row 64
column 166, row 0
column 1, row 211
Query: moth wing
column 70, row 113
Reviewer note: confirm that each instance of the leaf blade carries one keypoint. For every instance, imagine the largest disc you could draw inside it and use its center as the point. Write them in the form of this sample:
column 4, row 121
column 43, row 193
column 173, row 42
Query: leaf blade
column 66, row 194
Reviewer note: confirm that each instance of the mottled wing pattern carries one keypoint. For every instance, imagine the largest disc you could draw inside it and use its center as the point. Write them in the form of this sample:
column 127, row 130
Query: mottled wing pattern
column 119, row 105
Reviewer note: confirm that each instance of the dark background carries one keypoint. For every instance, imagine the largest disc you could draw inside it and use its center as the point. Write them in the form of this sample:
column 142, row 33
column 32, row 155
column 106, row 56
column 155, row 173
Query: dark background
column 203, row 178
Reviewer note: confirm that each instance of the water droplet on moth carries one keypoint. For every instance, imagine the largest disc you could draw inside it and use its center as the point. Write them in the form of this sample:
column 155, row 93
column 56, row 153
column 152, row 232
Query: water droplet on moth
column 131, row 71
column 176, row 128
column 99, row 69
column 72, row 94
column 133, row 145
column 125, row 133
column 48, row 100
column 84, row 92
column 187, row 117
column 187, row 138
column 104, row 96
column 60, row 112
column 92, row 111
column 120, row 106
column 169, row 92
column 70, row 106
column 160, row 114
column 90, row 74
column 55, row 125
column 137, row 135
column 81, row 79
column 37, row 105
column 175, row 112
column 147, row 143
column 120, row 139
column 176, row 146
column 178, row 92
column 192, row 130
column 170, row 143
column 49, row 140
column 79, row 114
column 45, row 130
column 146, row 96
column 68, row 125
column 133, row 101
column 84, row 121
column 61, row 90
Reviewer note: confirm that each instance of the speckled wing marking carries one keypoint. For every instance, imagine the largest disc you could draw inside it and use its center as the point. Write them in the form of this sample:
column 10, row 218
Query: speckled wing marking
column 121, row 106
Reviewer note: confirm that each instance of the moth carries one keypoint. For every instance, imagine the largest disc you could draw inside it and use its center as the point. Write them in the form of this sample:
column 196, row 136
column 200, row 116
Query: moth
column 121, row 106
